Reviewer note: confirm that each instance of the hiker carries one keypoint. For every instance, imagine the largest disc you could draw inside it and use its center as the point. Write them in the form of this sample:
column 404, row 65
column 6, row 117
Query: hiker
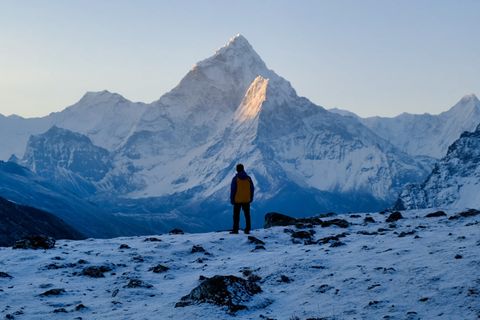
column 241, row 195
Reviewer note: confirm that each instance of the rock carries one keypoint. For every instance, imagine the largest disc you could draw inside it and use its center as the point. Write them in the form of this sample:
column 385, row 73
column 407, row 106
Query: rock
column 80, row 307
column 332, row 238
column 367, row 233
column 302, row 235
column 458, row 256
column 60, row 310
column 285, row 279
column 324, row 288
column 436, row 214
column 176, row 231
column 274, row 219
column 254, row 240
column 337, row 244
column 368, row 220
column 424, row 299
column 465, row 214
column 5, row 275
column 124, row 246
column 198, row 248
column 159, row 269
column 342, row 223
column 95, row 271
column 229, row 291
column 259, row 247
column 138, row 259
column 407, row 233
column 395, row 216
column 35, row 242
column 53, row 292
column 152, row 239
column 137, row 283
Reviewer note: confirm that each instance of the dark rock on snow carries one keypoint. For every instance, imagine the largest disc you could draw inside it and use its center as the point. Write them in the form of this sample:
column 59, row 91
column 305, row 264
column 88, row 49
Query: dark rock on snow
column 159, row 269
column 95, row 271
column 301, row 235
column 336, row 222
column 395, row 216
column 137, row 283
column 369, row 220
column 152, row 239
column 436, row 214
column 124, row 246
column 35, row 242
column 229, row 291
column 274, row 219
column 176, row 231
column 256, row 241
column 198, row 248
column 5, row 275
column 53, row 292
column 465, row 214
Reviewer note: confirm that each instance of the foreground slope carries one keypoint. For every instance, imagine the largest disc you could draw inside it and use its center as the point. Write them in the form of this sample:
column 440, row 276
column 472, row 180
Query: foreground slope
column 414, row 268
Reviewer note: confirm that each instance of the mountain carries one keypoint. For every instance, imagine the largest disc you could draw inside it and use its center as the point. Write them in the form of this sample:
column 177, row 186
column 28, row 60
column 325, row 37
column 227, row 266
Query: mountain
column 106, row 118
column 419, row 268
column 17, row 222
column 67, row 158
column 175, row 157
column 231, row 108
column 454, row 181
column 426, row 134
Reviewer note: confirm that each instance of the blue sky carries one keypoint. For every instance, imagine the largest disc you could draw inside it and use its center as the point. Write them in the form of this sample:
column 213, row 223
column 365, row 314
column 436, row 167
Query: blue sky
column 371, row 57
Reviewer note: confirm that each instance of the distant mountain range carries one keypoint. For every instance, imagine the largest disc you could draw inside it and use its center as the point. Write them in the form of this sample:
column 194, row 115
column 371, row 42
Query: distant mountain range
column 172, row 160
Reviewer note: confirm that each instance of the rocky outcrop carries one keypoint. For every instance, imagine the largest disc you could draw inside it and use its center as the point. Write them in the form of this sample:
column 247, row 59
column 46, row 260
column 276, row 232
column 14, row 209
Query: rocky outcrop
column 35, row 242
column 229, row 291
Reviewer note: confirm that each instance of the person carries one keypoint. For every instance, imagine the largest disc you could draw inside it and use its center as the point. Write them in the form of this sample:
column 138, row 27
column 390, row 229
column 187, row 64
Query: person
column 241, row 195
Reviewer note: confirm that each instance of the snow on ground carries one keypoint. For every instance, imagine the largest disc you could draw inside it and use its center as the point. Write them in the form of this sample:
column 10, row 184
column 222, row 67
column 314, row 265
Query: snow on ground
column 429, row 271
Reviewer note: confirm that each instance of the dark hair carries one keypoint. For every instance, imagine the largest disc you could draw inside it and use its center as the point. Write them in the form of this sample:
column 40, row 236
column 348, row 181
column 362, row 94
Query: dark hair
column 240, row 167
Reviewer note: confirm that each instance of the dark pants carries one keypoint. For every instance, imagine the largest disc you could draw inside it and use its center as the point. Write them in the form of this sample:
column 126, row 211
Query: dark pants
column 236, row 216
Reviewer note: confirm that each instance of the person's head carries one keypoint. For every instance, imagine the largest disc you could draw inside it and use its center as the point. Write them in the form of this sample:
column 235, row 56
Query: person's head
column 240, row 167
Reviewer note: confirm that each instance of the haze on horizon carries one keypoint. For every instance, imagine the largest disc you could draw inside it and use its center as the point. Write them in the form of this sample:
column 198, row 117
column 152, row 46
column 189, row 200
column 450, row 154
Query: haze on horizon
column 371, row 57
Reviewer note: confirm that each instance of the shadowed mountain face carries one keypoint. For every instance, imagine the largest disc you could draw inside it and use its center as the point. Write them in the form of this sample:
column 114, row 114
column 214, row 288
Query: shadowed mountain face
column 17, row 221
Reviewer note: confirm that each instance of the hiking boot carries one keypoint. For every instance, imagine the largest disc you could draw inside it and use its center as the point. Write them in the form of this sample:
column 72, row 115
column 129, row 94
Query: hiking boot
column 247, row 231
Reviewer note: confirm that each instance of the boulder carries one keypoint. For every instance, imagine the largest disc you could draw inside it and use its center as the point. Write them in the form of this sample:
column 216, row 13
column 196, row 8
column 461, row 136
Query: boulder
column 53, row 292
column 275, row 219
column 95, row 271
column 395, row 216
column 256, row 241
column 342, row 223
column 176, row 231
column 229, row 291
column 137, row 283
column 159, row 268
column 436, row 214
column 35, row 242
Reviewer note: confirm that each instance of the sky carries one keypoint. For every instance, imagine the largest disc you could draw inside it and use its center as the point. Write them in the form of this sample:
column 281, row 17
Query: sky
column 372, row 57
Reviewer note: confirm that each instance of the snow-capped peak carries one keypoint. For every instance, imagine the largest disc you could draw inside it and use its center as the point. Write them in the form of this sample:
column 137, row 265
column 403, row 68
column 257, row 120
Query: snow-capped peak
column 100, row 97
column 469, row 98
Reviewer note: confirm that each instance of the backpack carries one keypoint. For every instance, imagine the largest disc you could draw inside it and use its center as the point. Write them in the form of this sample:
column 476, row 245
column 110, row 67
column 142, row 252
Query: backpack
column 243, row 194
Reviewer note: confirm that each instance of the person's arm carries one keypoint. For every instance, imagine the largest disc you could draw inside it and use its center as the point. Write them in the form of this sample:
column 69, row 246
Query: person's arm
column 233, row 190
column 252, row 190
